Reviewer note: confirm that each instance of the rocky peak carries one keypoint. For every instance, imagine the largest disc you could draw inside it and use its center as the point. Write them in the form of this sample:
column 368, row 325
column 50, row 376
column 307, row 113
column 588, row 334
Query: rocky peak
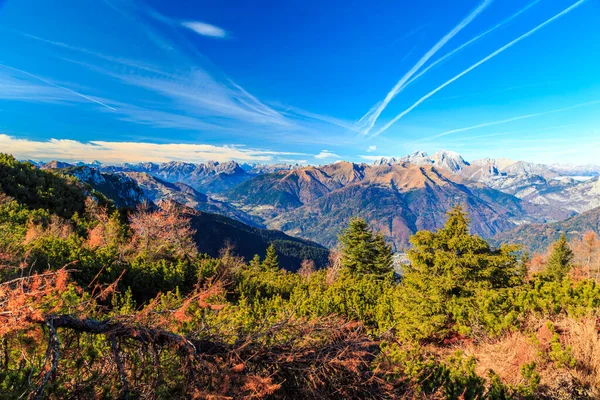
column 229, row 167
column 386, row 161
column 418, row 158
column 88, row 175
column 56, row 164
column 450, row 160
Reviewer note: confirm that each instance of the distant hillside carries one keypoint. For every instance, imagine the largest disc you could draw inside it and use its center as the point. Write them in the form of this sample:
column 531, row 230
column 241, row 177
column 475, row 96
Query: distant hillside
column 58, row 192
column 55, row 164
column 40, row 189
column 156, row 189
column 122, row 190
column 214, row 232
column 537, row 237
column 397, row 199
column 211, row 177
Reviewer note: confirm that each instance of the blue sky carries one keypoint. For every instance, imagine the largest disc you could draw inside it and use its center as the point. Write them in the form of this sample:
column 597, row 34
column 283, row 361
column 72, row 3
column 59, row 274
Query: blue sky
column 299, row 81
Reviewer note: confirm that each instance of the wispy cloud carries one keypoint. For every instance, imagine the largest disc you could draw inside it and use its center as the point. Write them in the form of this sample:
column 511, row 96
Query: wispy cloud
column 477, row 64
column 119, row 152
column 15, row 88
column 369, row 119
column 326, row 154
column 507, row 133
column 295, row 112
column 518, row 118
column 191, row 83
column 500, row 90
column 371, row 149
column 83, row 96
column 205, row 29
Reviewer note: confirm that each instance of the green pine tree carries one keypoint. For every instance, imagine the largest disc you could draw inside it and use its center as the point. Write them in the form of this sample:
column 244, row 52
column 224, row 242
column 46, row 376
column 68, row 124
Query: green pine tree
column 524, row 265
column 255, row 262
column 448, row 268
column 383, row 262
column 271, row 262
column 559, row 263
column 364, row 252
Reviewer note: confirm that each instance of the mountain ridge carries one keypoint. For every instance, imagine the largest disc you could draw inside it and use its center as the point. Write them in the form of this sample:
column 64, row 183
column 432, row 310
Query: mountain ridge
column 538, row 237
column 407, row 196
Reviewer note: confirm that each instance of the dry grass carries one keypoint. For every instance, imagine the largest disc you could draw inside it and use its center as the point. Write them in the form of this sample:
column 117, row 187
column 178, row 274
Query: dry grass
column 582, row 336
column 506, row 355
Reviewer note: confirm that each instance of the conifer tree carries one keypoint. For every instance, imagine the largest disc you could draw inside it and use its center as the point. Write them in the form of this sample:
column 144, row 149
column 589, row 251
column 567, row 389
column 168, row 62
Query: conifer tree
column 524, row 264
column 271, row 262
column 364, row 252
column 449, row 267
column 383, row 261
column 559, row 262
column 255, row 262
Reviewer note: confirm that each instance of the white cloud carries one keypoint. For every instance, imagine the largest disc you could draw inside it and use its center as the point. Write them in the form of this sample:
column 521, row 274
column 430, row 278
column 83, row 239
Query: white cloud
column 205, row 29
column 120, row 152
column 326, row 154
column 371, row 149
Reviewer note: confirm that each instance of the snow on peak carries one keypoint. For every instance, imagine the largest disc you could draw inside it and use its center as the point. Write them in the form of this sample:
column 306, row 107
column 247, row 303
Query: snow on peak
column 449, row 160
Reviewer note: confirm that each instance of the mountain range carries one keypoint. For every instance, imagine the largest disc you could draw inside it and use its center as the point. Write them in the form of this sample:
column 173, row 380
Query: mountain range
column 398, row 196
column 570, row 189
column 156, row 189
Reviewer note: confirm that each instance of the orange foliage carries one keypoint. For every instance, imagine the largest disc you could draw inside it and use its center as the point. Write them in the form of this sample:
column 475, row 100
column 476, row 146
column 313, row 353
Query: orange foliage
column 25, row 301
column 587, row 254
column 538, row 263
column 307, row 268
column 259, row 386
column 162, row 231
column 57, row 228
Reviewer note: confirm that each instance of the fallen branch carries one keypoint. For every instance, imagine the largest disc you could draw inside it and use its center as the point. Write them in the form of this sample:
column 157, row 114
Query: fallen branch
column 137, row 333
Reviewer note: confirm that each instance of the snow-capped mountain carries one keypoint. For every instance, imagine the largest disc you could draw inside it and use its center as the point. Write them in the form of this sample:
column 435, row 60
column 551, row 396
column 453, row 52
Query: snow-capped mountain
column 559, row 186
column 443, row 159
column 449, row 160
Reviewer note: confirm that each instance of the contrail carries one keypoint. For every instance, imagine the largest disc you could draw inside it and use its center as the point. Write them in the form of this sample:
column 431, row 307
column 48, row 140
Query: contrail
column 372, row 118
column 504, row 121
column 477, row 64
column 58, row 86
column 511, row 133
column 476, row 38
